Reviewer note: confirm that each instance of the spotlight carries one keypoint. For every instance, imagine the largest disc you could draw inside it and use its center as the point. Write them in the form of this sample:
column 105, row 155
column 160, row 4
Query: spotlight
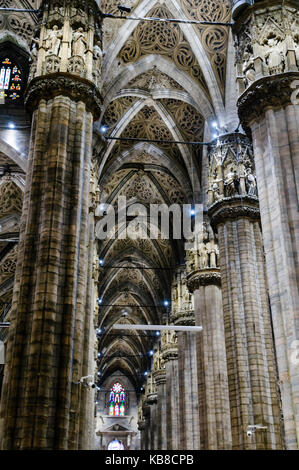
column 98, row 389
column 215, row 136
column 192, row 212
column 104, row 129
column 99, row 373
column 215, row 124
column 151, row 353
column 157, row 333
column 99, row 355
column 141, row 388
column 99, row 331
column 11, row 125
column 99, row 300
column 166, row 303
column 145, row 373
column 101, row 262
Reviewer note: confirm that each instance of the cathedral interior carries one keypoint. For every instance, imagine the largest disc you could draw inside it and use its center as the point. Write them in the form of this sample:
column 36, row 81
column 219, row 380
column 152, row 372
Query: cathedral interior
column 134, row 342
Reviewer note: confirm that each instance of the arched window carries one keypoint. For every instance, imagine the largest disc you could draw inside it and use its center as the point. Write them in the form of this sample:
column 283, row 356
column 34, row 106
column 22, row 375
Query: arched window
column 117, row 400
column 14, row 71
column 11, row 80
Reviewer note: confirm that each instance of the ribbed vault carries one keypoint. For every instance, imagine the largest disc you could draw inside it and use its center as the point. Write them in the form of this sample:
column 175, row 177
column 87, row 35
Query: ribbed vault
column 162, row 83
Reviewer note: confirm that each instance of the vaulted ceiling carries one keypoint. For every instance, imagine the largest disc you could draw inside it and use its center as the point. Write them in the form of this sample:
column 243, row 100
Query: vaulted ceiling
column 161, row 82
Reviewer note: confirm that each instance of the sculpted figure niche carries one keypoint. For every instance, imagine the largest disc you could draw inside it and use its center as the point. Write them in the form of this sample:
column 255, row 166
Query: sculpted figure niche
column 274, row 57
column 79, row 43
column 52, row 40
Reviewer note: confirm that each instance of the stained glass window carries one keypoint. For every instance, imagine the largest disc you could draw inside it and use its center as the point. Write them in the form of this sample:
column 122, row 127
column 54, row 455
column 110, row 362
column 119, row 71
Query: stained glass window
column 117, row 400
column 10, row 80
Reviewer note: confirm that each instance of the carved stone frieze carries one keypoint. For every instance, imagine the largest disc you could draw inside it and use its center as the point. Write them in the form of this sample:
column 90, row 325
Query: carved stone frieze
column 203, row 277
column 77, row 89
column 266, row 41
column 234, row 208
column 184, row 318
column 231, row 167
column 271, row 92
column 160, row 376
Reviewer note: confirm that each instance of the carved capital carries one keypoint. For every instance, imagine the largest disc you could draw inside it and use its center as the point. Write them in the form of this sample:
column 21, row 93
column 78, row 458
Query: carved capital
column 273, row 92
column 234, row 208
column 151, row 399
column 57, row 84
column 170, row 352
column 160, row 376
column 184, row 318
column 203, row 277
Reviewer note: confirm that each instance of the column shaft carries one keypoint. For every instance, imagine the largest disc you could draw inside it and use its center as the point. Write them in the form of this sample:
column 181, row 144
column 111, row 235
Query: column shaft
column 250, row 356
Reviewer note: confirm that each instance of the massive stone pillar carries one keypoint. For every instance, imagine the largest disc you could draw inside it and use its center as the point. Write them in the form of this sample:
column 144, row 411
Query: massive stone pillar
column 268, row 61
column 183, row 314
column 252, row 377
column 141, row 424
column 150, row 413
column 159, row 375
column 40, row 405
column 170, row 356
column 87, row 409
column 204, row 281
column 160, row 378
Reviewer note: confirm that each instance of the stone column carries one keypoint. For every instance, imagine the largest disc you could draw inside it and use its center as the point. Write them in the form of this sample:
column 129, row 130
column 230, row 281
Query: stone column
column 268, row 46
column 183, row 314
column 87, row 410
column 251, row 364
column 152, row 402
column 160, row 379
column 41, row 399
column 141, row 428
column 213, row 393
column 146, row 432
column 170, row 357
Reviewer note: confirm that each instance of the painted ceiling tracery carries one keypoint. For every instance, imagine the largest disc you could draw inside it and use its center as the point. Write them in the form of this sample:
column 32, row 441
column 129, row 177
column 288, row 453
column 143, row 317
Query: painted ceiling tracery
column 165, row 39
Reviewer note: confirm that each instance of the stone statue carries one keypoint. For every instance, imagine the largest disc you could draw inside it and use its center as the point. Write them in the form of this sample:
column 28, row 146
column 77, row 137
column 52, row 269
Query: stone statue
column 274, row 57
column 173, row 339
column 34, row 50
column 216, row 190
column 97, row 60
column 231, row 183
column 79, row 43
column 248, row 68
column 156, row 362
column 251, row 185
column 52, row 40
column 204, row 259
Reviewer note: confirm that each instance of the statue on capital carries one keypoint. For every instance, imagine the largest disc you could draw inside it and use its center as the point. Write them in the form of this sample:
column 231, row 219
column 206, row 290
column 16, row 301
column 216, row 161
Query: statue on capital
column 79, row 43
column 52, row 40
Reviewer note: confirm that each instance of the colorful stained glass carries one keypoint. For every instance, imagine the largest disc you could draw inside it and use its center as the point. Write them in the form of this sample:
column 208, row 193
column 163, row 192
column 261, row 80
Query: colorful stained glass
column 10, row 79
column 14, row 96
column 7, row 78
column 2, row 76
column 117, row 400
